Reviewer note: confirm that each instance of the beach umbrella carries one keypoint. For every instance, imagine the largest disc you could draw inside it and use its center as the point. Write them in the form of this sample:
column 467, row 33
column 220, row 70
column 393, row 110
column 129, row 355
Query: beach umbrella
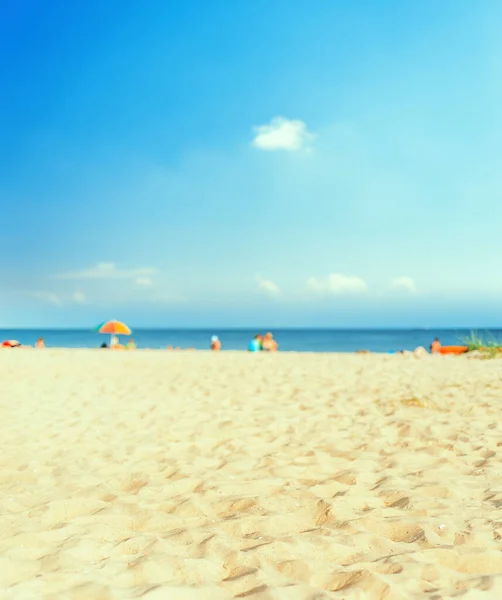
column 10, row 344
column 113, row 328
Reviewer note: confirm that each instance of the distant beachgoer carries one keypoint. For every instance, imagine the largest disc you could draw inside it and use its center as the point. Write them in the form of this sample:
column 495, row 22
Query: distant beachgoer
column 269, row 344
column 130, row 345
column 255, row 344
column 104, row 345
column 215, row 343
column 434, row 347
column 114, row 341
column 169, row 347
column 40, row 343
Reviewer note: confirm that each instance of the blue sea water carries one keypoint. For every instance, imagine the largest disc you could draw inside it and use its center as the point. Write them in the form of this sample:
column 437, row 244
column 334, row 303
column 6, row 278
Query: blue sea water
column 297, row 340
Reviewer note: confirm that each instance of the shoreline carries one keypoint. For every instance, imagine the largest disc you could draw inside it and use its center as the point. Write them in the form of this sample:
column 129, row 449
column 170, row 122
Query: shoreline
column 208, row 351
column 304, row 340
column 402, row 353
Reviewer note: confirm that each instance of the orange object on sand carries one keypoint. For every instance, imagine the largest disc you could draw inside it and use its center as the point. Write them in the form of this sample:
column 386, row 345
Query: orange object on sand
column 10, row 344
column 452, row 349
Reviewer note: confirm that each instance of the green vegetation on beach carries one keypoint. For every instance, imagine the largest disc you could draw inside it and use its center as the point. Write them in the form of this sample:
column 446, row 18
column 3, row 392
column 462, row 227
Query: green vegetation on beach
column 487, row 345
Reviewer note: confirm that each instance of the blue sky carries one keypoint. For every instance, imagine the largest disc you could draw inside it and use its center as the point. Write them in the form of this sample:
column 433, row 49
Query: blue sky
column 256, row 163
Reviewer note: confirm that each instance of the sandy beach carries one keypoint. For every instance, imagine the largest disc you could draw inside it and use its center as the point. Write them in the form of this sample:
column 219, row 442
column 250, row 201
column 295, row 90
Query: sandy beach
column 232, row 475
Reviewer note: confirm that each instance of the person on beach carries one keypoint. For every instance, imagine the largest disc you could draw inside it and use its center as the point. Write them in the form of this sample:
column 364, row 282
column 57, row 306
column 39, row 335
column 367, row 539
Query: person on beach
column 104, row 345
column 130, row 345
column 255, row 344
column 269, row 344
column 215, row 343
column 40, row 343
column 434, row 347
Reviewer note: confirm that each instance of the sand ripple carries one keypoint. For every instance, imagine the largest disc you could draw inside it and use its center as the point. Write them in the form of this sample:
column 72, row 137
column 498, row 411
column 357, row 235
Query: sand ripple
column 163, row 475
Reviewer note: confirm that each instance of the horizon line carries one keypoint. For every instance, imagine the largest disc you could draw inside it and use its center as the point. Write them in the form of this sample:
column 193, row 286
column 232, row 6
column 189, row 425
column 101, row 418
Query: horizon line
column 259, row 328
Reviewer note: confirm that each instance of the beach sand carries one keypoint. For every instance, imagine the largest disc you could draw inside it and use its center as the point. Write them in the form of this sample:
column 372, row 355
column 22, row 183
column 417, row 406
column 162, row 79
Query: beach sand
column 210, row 476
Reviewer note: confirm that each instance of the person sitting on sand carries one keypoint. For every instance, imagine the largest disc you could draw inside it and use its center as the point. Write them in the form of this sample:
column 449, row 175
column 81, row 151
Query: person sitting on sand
column 130, row 345
column 434, row 347
column 40, row 343
column 269, row 344
column 104, row 345
column 215, row 343
column 255, row 344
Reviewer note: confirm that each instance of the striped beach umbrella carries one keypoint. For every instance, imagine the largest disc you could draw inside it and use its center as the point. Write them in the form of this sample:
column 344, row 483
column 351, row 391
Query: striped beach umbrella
column 113, row 328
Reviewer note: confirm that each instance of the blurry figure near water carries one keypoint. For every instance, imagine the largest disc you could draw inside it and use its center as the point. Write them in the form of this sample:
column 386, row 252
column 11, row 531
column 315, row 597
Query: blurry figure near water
column 268, row 343
column 255, row 345
column 215, row 343
column 40, row 343
column 130, row 345
column 115, row 344
column 435, row 346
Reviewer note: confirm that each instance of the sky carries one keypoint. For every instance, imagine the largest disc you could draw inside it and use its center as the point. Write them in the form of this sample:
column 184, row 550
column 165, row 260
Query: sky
column 237, row 164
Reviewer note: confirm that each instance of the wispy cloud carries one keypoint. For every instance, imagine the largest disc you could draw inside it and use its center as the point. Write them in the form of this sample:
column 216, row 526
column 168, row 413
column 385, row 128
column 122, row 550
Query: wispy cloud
column 403, row 284
column 105, row 284
column 282, row 134
column 108, row 270
column 59, row 299
column 79, row 298
column 267, row 286
column 165, row 297
column 337, row 284
column 48, row 297
column 144, row 281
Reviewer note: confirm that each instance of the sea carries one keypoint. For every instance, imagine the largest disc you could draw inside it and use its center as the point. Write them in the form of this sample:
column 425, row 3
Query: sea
column 290, row 340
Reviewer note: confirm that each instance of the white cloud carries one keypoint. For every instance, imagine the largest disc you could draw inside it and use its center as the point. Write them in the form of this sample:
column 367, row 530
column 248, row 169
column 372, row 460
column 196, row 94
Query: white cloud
column 56, row 299
column 282, row 134
column 48, row 297
column 267, row 286
column 144, row 281
column 337, row 284
column 105, row 283
column 79, row 298
column 405, row 284
column 107, row 270
column 168, row 298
